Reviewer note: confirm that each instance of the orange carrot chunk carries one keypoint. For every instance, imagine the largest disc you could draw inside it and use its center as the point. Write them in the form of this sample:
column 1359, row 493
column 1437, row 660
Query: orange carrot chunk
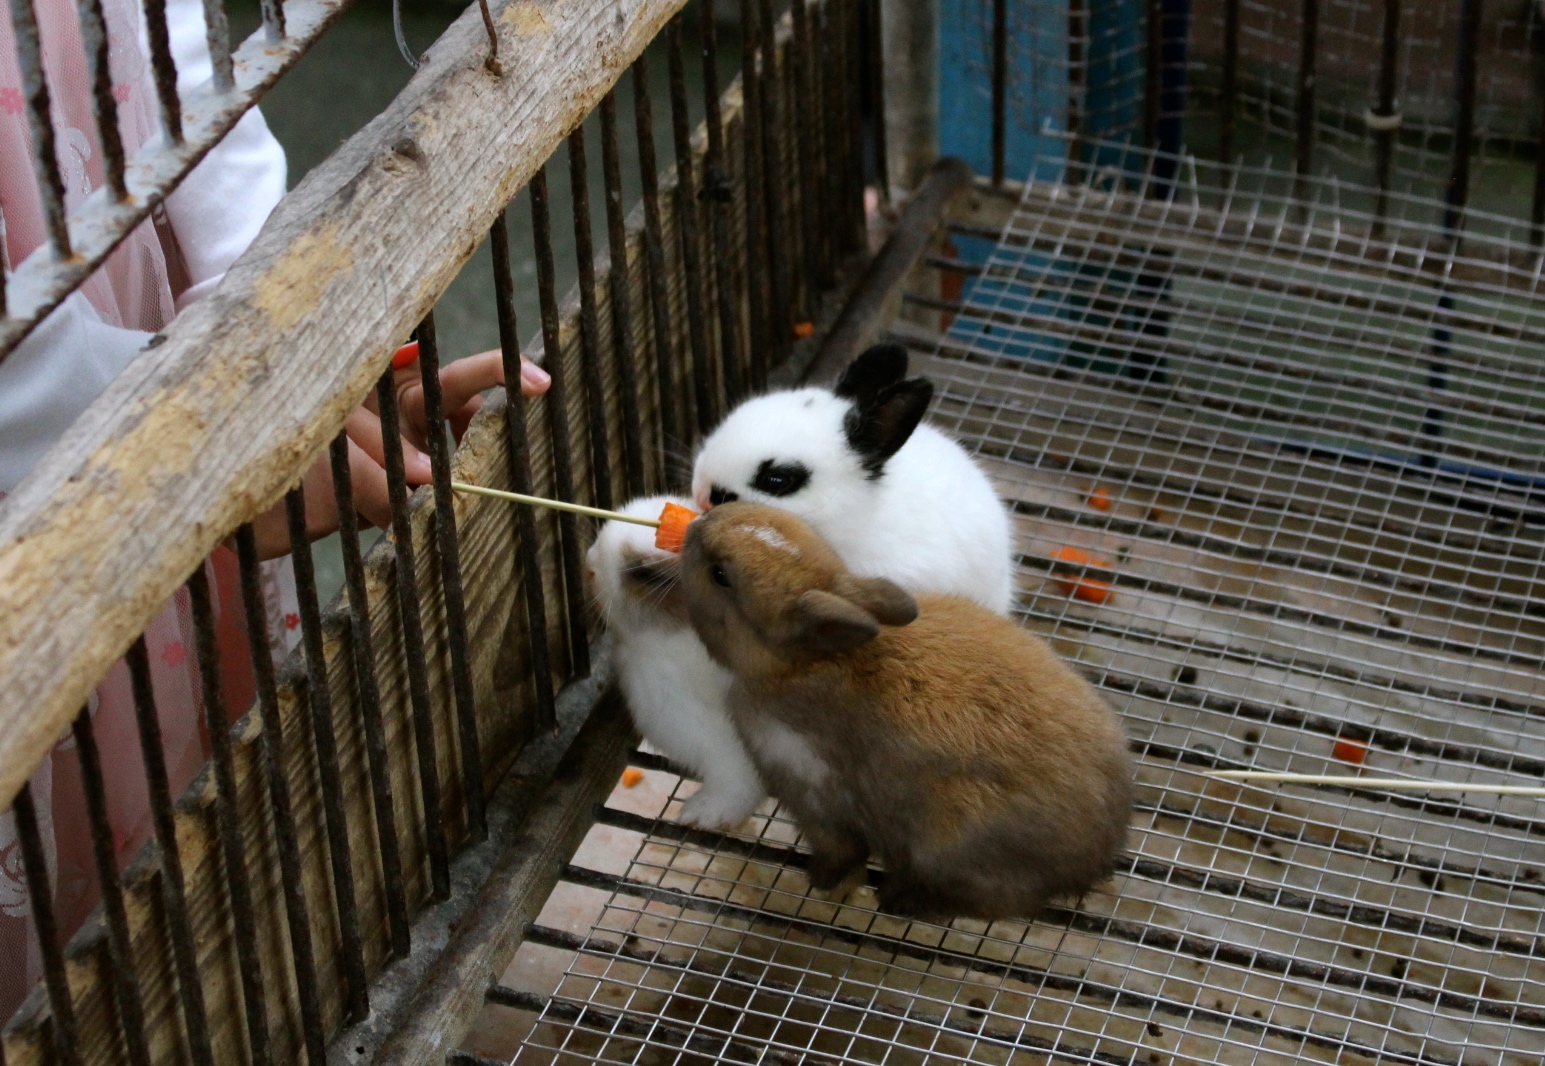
column 631, row 776
column 1099, row 498
column 672, row 533
column 804, row 329
column 1353, row 751
column 1081, row 586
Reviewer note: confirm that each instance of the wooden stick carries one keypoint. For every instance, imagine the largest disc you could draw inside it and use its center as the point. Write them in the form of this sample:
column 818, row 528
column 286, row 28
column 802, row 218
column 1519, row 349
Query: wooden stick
column 1260, row 777
column 557, row 505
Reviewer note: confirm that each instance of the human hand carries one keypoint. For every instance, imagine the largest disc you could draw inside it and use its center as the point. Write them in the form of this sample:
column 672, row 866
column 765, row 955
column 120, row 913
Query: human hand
column 461, row 385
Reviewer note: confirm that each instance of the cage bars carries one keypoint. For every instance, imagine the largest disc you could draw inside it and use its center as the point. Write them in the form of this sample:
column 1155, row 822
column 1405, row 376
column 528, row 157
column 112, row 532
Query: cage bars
column 720, row 194
column 29, row 57
column 593, row 373
column 624, row 346
column 368, row 698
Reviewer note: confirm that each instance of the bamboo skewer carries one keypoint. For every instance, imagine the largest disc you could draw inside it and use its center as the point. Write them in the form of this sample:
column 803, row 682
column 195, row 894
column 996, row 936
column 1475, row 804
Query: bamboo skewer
column 1404, row 784
column 557, row 505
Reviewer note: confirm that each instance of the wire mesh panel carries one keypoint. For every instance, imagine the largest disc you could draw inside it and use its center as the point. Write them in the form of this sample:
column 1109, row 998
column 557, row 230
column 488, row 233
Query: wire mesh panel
column 1301, row 470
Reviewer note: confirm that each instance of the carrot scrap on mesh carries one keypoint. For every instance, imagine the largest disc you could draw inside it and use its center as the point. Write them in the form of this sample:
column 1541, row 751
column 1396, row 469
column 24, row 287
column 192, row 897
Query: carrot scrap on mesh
column 1081, row 586
column 672, row 533
column 405, row 356
column 804, row 329
column 631, row 776
column 1099, row 498
column 1353, row 751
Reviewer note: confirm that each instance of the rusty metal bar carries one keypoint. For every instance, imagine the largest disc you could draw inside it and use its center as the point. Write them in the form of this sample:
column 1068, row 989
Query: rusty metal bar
column 233, row 844
column 1307, row 55
column 753, row 187
column 1228, row 106
column 368, row 695
column 275, row 769
column 93, row 31
column 273, row 19
column 622, row 301
column 719, row 191
column 120, row 951
column 781, row 323
column 1000, row 66
column 686, row 226
column 558, row 418
column 45, row 158
column 1458, row 192
column 589, row 327
column 218, row 38
column 410, row 610
column 520, row 478
column 808, row 147
column 190, row 987
column 40, row 898
column 164, row 69
column 873, row 23
column 319, row 696
column 1384, row 136
column 671, row 432
column 450, row 580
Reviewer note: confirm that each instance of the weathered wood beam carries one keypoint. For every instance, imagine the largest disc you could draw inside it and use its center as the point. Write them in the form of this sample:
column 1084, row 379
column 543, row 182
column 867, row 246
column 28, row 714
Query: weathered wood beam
column 249, row 385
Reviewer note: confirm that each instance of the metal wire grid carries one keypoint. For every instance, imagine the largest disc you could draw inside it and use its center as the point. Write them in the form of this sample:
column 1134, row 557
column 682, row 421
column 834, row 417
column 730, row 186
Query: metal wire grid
column 1284, row 596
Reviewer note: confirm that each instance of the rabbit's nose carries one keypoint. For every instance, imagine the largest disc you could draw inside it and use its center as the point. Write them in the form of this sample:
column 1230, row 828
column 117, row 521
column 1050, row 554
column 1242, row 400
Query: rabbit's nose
column 719, row 495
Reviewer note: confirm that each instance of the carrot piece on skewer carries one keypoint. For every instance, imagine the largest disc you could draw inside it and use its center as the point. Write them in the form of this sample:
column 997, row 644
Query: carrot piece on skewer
column 672, row 533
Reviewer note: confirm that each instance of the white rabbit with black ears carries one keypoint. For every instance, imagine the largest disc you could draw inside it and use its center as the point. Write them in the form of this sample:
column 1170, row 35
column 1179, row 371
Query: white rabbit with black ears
column 896, row 498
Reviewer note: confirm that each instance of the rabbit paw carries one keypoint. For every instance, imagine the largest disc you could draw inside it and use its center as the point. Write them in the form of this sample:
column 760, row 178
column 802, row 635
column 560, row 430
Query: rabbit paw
column 718, row 808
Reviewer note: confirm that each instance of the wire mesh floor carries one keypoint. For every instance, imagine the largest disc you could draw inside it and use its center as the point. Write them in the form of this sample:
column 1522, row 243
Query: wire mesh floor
column 1312, row 479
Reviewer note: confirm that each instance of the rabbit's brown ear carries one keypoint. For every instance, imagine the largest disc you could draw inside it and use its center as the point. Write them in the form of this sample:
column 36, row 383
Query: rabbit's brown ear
column 824, row 622
column 890, row 604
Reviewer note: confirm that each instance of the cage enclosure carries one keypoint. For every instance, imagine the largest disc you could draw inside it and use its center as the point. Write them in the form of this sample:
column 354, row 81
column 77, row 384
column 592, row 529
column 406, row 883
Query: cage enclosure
column 1238, row 300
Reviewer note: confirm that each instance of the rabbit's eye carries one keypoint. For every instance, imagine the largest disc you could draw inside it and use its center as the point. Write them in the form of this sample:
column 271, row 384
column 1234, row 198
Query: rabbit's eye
column 720, row 578
column 780, row 479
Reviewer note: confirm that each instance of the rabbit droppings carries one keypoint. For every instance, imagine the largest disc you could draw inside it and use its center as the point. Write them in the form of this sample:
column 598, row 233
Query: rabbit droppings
column 896, row 499
column 987, row 776
column 675, row 692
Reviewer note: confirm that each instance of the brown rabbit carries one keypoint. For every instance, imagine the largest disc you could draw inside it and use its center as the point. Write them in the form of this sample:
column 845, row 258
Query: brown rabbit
column 988, row 776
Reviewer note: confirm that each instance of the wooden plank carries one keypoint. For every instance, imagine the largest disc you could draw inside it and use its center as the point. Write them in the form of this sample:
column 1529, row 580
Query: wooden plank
column 251, row 383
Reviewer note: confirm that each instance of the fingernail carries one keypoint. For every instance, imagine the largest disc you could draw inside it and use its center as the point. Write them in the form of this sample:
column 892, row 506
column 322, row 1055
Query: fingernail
column 534, row 376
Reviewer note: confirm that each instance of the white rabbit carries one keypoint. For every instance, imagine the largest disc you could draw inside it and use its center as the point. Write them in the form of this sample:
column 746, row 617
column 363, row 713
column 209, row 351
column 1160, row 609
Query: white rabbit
column 675, row 691
column 896, row 499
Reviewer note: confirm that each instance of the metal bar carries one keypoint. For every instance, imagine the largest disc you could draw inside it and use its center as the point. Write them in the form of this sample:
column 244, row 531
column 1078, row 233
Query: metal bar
column 1537, row 213
column 190, row 986
column 1000, row 66
column 218, row 37
column 319, row 696
column 815, row 109
column 93, row 31
column 368, row 695
column 774, row 173
column 589, row 329
column 40, row 899
column 1228, row 106
column 719, row 191
column 1384, row 137
column 1466, row 67
column 233, row 844
column 276, row 771
column 520, row 478
column 755, row 197
column 120, row 950
column 854, row 60
column 687, row 228
column 558, row 418
column 839, row 127
column 450, row 581
column 672, row 433
column 164, row 69
column 806, row 148
column 273, row 19
column 873, row 24
column 408, row 608
column 622, row 301
column 491, row 64
column 1307, row 55
column 45, row 155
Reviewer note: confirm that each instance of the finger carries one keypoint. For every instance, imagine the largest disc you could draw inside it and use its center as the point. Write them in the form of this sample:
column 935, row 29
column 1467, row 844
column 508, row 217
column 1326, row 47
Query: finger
column 463, row 418
column 372, row 493
column 466, row 378
column 364, row 430
column 321, row 504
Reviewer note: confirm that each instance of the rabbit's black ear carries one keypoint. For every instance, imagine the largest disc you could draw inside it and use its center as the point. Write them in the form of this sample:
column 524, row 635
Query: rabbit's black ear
column 878, row 426
column 882, row 365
